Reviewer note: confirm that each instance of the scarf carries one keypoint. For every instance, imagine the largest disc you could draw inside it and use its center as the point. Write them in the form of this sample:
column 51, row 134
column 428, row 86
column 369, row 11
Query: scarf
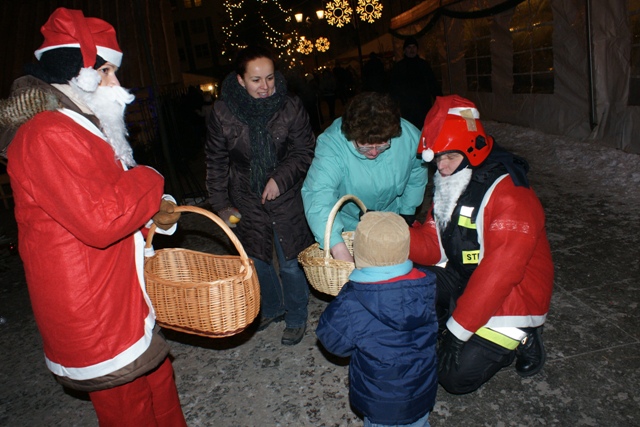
column 256, row 113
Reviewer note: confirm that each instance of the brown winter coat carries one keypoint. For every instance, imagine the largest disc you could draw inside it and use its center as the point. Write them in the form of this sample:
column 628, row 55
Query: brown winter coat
column 228, row 167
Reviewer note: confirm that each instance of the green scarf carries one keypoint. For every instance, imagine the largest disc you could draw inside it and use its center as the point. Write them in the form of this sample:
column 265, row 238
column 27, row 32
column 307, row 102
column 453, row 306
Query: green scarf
column 256, row 113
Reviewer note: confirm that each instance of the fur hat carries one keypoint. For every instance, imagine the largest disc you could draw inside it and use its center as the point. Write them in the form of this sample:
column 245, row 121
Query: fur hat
column 68, row 28
column 410, row 41
column 381, row 239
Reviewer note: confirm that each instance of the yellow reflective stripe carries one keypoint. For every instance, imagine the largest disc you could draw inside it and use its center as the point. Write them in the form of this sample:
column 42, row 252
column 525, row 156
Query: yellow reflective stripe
column 497, row 338
column 465, row 221
column 471, row 257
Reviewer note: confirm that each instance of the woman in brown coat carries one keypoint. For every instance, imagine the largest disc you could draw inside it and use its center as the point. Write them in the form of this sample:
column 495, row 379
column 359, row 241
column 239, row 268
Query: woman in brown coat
column 259, row 148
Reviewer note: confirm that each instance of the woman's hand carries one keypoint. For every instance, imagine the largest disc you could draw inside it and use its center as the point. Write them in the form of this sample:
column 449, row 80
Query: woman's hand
column 271, row 191
column 341, row 252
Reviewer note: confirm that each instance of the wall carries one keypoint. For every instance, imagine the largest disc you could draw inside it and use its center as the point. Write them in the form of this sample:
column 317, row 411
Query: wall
column 591, row 68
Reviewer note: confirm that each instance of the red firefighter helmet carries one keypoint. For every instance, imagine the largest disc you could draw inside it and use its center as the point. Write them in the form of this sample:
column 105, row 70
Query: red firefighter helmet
column 453, row 124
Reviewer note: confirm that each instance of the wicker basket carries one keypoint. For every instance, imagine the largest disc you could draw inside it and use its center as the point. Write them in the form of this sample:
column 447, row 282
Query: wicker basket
column 324, row 273
column 199, row 293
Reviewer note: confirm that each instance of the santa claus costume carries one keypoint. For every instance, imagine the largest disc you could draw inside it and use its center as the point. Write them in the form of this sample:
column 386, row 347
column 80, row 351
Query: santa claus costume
column 80, row 203
column 485, row 239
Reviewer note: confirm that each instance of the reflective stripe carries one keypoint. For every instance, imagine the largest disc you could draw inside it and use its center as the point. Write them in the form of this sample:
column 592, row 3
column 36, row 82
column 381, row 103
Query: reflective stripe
column 471, row 257
column 465, row 222
column 498, row 336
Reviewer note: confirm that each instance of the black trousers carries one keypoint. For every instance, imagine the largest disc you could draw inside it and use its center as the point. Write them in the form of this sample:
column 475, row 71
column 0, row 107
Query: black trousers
column 480, row 359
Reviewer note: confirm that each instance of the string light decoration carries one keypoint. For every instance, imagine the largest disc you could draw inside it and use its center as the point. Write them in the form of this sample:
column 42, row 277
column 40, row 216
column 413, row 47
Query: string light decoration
column 369, row 10
column 338, row 12
column 238, row 11
column 322, row 44
column 305, row 46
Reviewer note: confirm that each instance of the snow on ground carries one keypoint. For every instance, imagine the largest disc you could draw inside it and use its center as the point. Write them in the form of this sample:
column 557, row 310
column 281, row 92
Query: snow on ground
column 605, row 171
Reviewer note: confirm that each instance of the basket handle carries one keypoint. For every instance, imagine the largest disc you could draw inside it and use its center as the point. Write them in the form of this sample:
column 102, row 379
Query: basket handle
column 213, row 217
column 332, row 217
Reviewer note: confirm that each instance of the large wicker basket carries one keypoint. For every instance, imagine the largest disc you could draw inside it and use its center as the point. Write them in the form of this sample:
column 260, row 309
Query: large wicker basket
column 199, row 293
column 324, row 273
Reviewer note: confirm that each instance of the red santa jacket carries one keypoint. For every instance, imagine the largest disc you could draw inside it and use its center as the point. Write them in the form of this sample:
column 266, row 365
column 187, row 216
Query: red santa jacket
column 79, row 212
column 513, row 282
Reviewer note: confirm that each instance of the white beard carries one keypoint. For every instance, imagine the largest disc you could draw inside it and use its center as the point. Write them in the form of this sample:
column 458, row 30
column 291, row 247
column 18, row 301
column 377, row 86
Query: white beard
column 447, row 192
column 108, row 104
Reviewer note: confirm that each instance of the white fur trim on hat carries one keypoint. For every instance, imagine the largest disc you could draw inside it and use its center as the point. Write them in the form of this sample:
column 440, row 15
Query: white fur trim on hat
column 88, row 79
column 109, row 55
column 428, row 155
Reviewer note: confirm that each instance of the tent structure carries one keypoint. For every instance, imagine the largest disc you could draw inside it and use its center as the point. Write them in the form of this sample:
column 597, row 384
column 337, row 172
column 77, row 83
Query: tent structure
column 565, row 67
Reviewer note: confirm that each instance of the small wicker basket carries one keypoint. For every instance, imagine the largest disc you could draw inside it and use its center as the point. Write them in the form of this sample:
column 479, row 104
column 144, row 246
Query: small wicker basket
column 324, row 273
column 203, row 294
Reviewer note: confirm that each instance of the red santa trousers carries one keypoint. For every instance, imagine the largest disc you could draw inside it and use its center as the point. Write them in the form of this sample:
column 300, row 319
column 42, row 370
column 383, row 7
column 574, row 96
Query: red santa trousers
column 150, row 400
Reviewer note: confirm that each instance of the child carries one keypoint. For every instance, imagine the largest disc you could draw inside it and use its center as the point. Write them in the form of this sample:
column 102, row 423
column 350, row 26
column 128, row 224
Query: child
column 384, row 318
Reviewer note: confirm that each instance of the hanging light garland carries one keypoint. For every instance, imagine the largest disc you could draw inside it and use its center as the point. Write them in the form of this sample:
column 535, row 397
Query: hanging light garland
column 322, row 44
column 369, row 10
column 338, row 12
column 237, row 13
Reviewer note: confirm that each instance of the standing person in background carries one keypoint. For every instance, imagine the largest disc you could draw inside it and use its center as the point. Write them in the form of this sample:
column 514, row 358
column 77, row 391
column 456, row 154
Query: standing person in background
column 342, row 77
column 327, row 88
column 384, row 318
column 485, row 239
column 80, row 202
column 258, row 150
column 413, row 84
column 374, row 78
column 368, row 152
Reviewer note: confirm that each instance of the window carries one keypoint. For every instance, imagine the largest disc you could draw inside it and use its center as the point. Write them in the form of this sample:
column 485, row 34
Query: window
column 634, row 79
column 197, row 26
column 477, row 54
column 532, row 35
column 202, row 50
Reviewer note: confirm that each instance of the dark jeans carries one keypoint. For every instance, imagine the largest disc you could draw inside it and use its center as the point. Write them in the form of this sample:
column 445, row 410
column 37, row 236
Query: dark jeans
column 480, row 359
column 287, row 294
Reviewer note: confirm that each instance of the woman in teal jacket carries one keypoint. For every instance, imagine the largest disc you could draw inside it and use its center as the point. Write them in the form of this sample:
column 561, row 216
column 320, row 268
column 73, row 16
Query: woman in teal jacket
column 369, row 152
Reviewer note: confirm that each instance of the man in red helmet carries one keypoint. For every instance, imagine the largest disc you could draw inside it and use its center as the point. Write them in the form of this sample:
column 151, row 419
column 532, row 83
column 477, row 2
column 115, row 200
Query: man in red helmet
column 485, row 240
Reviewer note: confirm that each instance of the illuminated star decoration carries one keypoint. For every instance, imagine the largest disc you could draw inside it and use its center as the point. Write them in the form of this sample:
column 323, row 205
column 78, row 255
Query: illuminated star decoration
column 305, row 46
column 322, row 44
column 369, row 10
column 338, row 12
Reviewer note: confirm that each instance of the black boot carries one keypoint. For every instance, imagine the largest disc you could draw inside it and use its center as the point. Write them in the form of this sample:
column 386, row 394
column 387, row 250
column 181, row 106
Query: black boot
column 530, row 354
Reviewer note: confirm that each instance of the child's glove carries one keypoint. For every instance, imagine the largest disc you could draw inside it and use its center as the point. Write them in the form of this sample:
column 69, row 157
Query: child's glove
column 166, row 216
column 231, row 216
column 449, row 352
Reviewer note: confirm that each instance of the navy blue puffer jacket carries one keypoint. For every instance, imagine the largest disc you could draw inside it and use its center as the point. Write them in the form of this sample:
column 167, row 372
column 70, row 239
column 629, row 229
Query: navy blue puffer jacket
column 389, row 329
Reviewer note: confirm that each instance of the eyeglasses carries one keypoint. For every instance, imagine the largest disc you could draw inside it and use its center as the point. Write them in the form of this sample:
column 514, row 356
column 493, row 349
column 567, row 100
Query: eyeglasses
column 365, row 148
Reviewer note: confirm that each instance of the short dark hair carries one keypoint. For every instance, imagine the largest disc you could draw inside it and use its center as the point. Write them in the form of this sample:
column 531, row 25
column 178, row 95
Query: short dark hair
column 248, row 54
column 60, row 65
column 371, row 118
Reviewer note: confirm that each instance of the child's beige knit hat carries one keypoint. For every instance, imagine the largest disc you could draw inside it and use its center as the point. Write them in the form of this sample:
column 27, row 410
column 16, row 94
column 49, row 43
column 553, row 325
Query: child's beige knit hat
column 381, row 239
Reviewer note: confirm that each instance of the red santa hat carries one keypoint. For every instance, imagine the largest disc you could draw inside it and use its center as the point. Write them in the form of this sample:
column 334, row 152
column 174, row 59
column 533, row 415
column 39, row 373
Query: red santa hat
column 453, row 124
column 93, row 36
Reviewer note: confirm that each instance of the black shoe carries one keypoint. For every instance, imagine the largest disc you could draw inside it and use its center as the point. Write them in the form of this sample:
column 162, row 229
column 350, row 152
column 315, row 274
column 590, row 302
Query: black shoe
column 530, row 354
column 266, row 321
column 293, row 336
